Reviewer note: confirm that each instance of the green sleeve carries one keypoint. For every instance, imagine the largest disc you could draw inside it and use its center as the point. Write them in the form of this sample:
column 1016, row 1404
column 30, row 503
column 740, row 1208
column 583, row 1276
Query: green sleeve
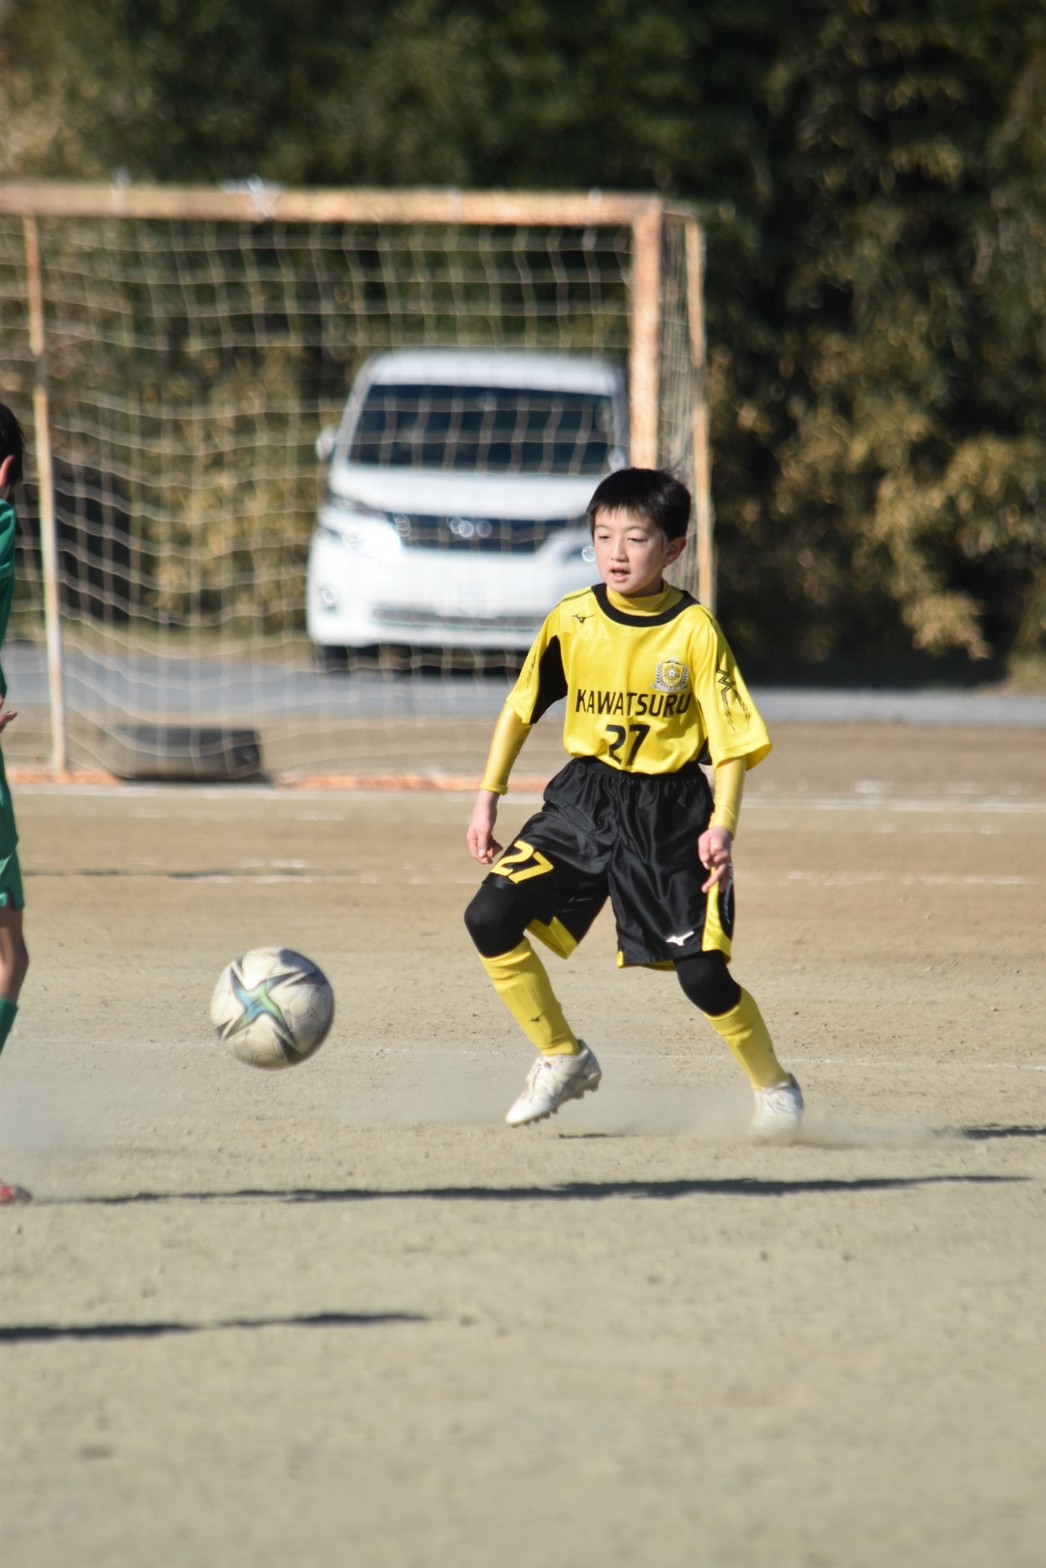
column 7, row 574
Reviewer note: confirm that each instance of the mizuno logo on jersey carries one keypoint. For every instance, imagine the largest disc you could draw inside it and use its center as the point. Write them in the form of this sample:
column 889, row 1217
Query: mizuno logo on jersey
column 631, row 704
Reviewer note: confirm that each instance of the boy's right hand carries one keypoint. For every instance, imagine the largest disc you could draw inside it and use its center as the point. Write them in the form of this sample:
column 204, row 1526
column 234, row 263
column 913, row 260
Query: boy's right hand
column 480, row 835
column 714, row 849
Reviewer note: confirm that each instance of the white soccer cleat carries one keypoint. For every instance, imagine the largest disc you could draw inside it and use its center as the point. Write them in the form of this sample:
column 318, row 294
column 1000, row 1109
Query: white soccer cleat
column 778, row 1114
column 551, row 1082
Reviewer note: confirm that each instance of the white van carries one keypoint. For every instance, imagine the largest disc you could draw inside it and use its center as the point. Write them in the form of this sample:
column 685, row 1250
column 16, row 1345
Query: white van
column 455, row 508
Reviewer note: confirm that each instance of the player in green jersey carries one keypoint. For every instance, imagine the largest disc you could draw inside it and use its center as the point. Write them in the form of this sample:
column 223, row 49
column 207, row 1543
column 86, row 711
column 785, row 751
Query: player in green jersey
column 14, row 957
column 651, row 691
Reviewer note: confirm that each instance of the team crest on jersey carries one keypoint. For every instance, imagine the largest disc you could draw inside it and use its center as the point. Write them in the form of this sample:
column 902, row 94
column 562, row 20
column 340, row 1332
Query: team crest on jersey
column 671, row 675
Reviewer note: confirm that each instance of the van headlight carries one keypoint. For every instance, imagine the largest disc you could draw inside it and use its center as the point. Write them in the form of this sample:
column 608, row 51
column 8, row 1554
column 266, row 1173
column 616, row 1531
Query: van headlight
column 372, row 536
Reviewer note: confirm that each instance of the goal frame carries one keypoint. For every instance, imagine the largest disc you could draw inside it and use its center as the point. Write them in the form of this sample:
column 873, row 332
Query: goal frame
column 644, row 215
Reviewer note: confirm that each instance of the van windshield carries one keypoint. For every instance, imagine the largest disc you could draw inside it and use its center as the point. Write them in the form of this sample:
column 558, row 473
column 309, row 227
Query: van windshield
column 491, row 430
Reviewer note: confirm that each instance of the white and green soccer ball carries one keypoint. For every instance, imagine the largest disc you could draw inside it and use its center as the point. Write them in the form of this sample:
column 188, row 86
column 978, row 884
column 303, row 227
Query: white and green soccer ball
column 272, row 1007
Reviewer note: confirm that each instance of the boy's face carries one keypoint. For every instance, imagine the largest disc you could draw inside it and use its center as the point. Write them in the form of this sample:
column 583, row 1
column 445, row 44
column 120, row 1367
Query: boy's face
column 631, row 553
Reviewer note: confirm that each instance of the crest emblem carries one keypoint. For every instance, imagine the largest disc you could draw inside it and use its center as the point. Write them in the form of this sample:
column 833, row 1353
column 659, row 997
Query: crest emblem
column 671, row 675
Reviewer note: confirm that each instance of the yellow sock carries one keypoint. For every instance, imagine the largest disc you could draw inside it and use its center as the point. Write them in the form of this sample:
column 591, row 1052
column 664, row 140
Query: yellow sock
column 522, row 982
column 748, row 1037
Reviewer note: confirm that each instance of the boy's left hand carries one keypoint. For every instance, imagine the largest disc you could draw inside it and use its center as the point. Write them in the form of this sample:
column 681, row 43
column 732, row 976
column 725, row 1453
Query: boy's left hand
column 714, row 850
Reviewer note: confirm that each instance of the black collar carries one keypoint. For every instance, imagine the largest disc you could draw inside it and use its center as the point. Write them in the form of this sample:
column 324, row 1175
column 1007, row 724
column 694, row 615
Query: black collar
column 623, row 618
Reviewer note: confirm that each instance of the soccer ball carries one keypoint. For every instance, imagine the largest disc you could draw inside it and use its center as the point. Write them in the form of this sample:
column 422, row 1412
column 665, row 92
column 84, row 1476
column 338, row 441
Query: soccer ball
column 272, row 1007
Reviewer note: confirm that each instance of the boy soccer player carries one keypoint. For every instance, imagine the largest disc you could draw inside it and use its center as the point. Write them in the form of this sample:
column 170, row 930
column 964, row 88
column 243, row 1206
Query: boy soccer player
column 14, row 957
column 651, row 689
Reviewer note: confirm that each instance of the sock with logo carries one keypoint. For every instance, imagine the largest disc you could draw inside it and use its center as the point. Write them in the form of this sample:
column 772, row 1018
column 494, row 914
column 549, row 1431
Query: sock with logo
column 522, row 982
column 748, row 1037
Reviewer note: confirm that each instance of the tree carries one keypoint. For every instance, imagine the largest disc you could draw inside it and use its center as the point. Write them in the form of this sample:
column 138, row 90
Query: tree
column 905, row 504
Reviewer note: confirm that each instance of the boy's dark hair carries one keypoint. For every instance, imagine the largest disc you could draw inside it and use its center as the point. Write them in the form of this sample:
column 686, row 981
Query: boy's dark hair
column 12, row 441
column 652, row 493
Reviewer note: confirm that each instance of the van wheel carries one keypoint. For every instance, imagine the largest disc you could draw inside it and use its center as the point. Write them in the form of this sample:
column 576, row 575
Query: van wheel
column 330, row 660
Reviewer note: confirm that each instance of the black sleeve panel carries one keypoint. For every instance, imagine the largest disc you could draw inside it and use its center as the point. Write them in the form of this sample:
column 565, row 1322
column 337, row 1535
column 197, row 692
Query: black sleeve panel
column 552, row 680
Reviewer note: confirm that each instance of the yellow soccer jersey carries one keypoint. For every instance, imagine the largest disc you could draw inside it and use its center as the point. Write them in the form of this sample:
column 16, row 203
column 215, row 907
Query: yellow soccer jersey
column 650, row 684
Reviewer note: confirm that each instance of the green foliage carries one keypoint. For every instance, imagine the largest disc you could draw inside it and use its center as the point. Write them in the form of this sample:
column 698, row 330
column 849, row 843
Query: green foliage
column 909, row 358
column 873, row 180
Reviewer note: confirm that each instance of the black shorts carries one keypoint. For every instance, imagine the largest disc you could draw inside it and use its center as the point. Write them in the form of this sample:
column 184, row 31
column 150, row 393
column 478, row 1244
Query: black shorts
column 629, row 837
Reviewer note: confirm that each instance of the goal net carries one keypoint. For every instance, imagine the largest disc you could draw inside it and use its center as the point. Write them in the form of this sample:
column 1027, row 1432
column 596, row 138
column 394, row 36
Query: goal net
column 176, row 356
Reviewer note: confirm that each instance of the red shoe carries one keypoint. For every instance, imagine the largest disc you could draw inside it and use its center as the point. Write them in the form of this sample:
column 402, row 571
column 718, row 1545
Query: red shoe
column 10, row 1194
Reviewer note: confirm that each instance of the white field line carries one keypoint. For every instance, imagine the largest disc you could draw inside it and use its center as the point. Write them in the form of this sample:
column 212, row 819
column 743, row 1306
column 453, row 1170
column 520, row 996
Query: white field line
column 866, row 878
column 933, row 805
column 263, row 878
column 867, row 800
column 687, row 1053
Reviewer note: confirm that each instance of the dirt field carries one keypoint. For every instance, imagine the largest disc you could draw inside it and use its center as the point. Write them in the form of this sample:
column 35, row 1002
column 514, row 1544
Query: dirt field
column 342, row 1315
